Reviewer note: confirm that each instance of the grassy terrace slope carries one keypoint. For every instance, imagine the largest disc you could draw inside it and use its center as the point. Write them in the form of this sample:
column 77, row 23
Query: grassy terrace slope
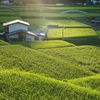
column 52, row 69
column 7, row 13
column 2, row 43
column 87, row 57
column 49, row 12
column 39, row 23
column 68, row 22
column 42, row 63
column 75, row 8
column 44, row 44
column 56, row 15
column 70, row 32
column 17, row 85
column 4, row 19
column 39, row 20
column 42, row 22
column 92, row 82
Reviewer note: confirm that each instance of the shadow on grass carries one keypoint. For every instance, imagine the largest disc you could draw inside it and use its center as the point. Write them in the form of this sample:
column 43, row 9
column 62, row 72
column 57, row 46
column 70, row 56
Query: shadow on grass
column 91, row 40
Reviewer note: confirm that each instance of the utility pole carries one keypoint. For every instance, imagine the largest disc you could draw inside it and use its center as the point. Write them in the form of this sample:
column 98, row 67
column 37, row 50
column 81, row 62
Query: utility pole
column 63, row 32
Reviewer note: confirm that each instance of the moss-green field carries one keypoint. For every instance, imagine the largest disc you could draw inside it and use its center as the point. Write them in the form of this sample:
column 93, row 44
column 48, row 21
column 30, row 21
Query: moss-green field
column 57, row 68
column 70, row 32
column 49, row 70
column 39, row 16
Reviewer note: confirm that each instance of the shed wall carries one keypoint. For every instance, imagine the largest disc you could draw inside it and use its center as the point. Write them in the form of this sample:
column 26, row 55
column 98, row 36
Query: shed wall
column 14, row 36
column 17, row 26
column 32, row 38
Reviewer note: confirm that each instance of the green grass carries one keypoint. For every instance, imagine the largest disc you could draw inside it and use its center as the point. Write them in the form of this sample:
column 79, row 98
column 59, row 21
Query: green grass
column 72, row 15
column 6, row 19
column 38, row 23
column 3, row 6
column 1, row 28
column 90, row 40
column 86, row 57
column 34, row 14
column 74, row 8
column 51, row 69
column 39, row 62
column 70, row 32
column 3, row 43
column 98, row 33
column 5, row 13
column 3, row 96
column 54, row 15
column 30, row 7
column 40, row 7
column 68, row 22
column 57, row 15
column 41, row 23
column 44, row 44
column 92, row 82
column 18, row 85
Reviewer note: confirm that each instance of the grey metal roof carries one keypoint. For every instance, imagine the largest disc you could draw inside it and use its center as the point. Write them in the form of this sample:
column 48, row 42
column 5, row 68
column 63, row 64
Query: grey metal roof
column 37, row 32
column 1, row 33
column 24, row 31
column 97, row 19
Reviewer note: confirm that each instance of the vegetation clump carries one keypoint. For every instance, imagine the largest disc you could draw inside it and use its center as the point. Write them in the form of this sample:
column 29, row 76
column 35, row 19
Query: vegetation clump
column 19, row 85
column 3, row 43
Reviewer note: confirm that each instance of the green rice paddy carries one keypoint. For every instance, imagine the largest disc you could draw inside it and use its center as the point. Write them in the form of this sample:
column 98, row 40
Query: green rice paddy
column 65, row 66
column 70, row 32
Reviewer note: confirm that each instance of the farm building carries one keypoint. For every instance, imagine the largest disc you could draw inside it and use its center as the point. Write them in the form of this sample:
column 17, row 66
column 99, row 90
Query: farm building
column 96, row 23
column 17, row 30
column 96, row 20
column 5, row 2
column 95, row 1
column 40, row 36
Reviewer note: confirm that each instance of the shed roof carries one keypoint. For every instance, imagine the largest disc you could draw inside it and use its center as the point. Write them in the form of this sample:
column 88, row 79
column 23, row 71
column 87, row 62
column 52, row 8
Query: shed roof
column 41, row 34
column 24, row 31
column 16, row 21
column 1, row 33
column 97, row 19
column 37, row 32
